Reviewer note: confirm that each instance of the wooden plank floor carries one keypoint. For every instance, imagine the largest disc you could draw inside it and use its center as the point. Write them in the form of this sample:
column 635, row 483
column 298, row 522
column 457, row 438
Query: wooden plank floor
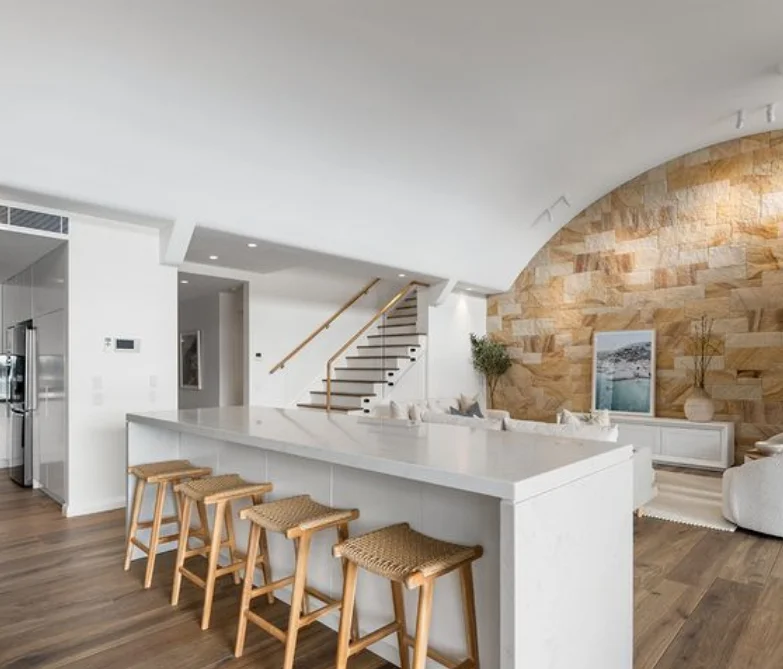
column 703, row 599
column 66, row 602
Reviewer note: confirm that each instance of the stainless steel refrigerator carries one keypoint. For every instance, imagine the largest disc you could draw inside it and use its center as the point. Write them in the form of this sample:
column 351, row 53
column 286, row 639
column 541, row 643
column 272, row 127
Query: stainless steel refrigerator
column 20, row 343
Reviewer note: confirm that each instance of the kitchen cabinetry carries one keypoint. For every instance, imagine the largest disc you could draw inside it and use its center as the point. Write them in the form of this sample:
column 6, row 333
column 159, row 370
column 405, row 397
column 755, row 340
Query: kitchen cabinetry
column 49, row 418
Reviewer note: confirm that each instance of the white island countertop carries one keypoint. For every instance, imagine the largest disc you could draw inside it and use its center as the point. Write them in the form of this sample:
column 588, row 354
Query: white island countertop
column 506, row 465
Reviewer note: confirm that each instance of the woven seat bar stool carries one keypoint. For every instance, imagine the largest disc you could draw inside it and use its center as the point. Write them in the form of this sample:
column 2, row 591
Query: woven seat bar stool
column 414, row 560
column 297, row 518
column 218, row 491
column 166, row 475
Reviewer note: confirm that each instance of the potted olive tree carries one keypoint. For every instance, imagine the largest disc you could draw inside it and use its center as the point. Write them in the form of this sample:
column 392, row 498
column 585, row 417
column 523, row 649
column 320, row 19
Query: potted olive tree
column 491, row 360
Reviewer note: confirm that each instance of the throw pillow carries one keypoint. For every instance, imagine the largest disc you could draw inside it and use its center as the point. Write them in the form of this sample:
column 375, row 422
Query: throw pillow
column 568, row 418
column 473, row 411
column 464, row 421
column 465, row 402
column 581, row 431
column 397, row 411
column 414, row 412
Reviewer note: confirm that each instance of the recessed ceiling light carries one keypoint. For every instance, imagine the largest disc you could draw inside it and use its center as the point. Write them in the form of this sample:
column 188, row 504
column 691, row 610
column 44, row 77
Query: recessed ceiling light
column 468, row 289
column 252, row 245
column 184, row 281
column 401, row 275
column 213, row 257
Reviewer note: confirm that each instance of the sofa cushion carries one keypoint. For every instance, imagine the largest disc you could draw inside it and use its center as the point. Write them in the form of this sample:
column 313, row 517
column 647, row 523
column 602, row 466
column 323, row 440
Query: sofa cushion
column 465, row 402
column 399, row 411
column 594, row 432
column 600, row 417
column 474, row 410
column 464, row 421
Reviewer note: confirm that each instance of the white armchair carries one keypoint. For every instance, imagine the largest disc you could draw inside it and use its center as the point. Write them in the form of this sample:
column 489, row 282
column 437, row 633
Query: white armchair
column 753, row 495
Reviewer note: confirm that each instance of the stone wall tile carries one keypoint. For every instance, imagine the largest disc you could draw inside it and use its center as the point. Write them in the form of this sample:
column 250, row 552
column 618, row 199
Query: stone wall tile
column 602, row 241
column 494, row 324
column 754, row 340
column 726, row 256
column 735, row 392
column 732, row 276
column 741, row 359
column 772, row 278
column 750, row 299
column 727, row 325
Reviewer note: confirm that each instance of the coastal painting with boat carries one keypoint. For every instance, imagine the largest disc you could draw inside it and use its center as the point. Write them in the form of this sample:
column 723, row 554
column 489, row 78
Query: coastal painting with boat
column 624, row 371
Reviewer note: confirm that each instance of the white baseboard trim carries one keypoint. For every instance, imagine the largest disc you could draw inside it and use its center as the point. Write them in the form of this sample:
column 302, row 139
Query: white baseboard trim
column 72, row 511
column 3, row 463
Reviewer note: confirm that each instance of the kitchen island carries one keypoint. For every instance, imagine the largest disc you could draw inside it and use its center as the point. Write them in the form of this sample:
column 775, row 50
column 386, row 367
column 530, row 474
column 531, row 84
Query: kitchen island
column 554, row 589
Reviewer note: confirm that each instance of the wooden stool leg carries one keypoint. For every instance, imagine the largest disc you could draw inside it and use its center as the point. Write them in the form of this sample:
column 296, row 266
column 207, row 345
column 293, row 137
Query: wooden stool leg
column 423, row 619
column 232, row 540
column 469, row 608
column 266, row 568
column 177, row 498
column 244, row 605
column 160, row 499
column 399, row 617
column 342, row 535
column 182, row 547
column 346, row 613
column 214, row 554
column 305, row 598
column 203, row 520
column 263, row 546
column 300, row 578
column 138, row 497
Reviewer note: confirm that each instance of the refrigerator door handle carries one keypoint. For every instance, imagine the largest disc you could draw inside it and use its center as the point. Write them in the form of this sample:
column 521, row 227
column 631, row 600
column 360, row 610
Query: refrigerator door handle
column 31, row 371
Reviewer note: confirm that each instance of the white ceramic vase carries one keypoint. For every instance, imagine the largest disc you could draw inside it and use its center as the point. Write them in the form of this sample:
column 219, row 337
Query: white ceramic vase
column 699, row 406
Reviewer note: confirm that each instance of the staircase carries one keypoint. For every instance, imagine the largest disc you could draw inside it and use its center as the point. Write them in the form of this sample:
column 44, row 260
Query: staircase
column 376, row 363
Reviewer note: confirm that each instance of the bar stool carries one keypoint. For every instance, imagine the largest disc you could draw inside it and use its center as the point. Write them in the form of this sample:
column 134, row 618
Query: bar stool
column 162, row 474
column 298, row 518
column 409, row 558
column 220, row 492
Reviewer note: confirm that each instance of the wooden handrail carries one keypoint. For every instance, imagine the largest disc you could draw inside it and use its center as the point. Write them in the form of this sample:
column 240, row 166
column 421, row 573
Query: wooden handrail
column 389, row 305
column 325, row 325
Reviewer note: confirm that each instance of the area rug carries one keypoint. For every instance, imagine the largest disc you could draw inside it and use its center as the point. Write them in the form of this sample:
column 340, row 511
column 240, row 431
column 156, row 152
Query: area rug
column 690, row 499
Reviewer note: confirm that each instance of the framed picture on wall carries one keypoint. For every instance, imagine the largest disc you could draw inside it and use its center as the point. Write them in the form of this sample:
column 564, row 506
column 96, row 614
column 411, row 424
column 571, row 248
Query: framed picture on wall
column 190, row 360
column 624, row 372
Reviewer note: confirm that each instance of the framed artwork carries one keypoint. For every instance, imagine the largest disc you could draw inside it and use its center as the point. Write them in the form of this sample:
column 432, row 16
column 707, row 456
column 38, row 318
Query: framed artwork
column 624, row 372
column 190, row 360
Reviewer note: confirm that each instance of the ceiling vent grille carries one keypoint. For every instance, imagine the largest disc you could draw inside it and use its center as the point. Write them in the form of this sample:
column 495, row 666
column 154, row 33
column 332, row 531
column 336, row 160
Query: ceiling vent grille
column 33, row 220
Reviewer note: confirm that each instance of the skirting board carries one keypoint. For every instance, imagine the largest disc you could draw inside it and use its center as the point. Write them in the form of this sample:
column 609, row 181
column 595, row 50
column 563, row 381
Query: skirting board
column 4, row 463
column 72, row 511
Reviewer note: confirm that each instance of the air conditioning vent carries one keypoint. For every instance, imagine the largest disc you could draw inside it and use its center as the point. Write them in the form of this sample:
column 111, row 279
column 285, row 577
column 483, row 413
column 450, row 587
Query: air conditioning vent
column 34, row 220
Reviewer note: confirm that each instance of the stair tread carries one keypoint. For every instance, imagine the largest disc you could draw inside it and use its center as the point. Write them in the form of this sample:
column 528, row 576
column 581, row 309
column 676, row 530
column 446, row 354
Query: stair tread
column 367, row 357
column 323, row 406
column 356, row 380
column 397, row 325
column 341, row 394
column 374, row 369
column 401, row 334
column 372, row 357
column 387, row 346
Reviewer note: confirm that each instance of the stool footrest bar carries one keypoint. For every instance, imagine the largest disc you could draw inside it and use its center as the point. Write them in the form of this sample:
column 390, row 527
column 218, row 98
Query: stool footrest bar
column 192, row 577
column 373, row 637
column 266, row 626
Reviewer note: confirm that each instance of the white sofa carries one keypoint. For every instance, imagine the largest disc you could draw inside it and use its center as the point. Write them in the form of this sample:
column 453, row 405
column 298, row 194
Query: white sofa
column 382, row 409
column 644, row 488
column 753, row 495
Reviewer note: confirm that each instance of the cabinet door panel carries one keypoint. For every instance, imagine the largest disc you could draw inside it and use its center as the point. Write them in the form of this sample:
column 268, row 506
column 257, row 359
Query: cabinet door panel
column 640, row 435
column 692, row 443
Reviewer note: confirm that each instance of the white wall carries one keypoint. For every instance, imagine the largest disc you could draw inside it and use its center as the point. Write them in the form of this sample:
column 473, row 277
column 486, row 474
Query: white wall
column 285, row 307
column 449, row 367
column 232, row 347
column 203, row 313
column 117, row 287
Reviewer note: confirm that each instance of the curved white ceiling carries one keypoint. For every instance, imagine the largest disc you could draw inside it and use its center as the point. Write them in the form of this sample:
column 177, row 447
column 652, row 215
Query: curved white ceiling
column 426, row 136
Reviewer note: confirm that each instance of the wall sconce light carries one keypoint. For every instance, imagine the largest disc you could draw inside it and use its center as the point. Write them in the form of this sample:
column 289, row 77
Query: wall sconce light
column 740, row 119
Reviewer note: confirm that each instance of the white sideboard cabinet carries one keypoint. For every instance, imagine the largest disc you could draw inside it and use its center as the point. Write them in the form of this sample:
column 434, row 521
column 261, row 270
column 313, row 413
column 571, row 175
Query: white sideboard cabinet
column 677, row 441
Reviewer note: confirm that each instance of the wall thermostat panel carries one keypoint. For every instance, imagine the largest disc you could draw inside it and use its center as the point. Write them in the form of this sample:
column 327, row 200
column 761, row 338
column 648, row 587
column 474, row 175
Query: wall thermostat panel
column 126, row 345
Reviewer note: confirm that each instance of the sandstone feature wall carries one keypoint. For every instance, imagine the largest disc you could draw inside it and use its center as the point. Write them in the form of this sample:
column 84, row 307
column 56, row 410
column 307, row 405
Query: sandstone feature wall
column 702, row 234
